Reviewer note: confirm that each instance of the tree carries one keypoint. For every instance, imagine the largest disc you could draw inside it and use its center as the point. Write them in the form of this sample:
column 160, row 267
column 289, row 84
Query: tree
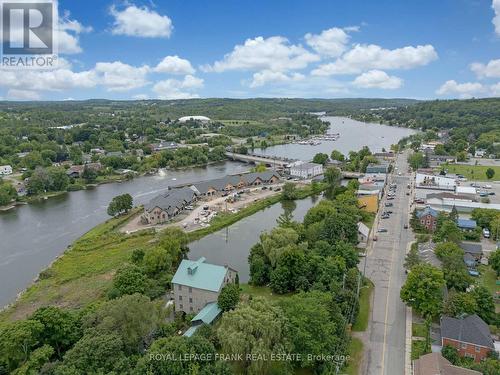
column 38, row 358
column 61, row 329
column 416, row 160
column 255, row 328
column 412, row 258
column 333, row 176
column 287, row 275
column 337, row 155
column 120, row 204
column 485, row 304
column 494, row 261
column 7, row 193
column 156, row 261
column 320, row 158
column 229, row 297
column 133, row 318
column 448, row 231
column 17, row 340
column 89, row 174
column 313, row 326
column 490, row 172
column 459, row 304
column 423, row 290
column 129, row 279
column 289, row 191
column 260, row 168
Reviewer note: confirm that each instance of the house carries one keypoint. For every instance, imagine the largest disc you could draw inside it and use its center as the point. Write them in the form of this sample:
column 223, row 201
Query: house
column 162, row 145
column 469, row 335
column 5, row 170
column 469, row 261
column 428, row 218
column 197, row 284
column 473, row 248
column 75, row 171
column 306, row 170
column 480, row 153
column 207, row 315
column 466, row 224
column 363, row 233
column 165, row 206
column 233, row 182
column 436, row 364
column 377, row 168
column 437, row 160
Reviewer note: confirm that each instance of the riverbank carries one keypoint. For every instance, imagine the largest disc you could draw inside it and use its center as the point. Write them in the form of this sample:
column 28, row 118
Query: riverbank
column 83, row 273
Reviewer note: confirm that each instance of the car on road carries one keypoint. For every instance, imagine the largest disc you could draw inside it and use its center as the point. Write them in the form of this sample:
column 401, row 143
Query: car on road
column 487, row 187
column 390, row 198
column 389, row 204
column 405, row 226
column 382, row 230
column 420, row 201
column 189, row 208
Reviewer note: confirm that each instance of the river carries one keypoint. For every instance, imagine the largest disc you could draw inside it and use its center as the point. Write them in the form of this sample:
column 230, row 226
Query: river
column 32, row 236
column 353, row 136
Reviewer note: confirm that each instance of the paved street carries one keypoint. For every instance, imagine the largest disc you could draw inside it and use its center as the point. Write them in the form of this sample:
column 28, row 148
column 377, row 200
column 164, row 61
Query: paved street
column 385, row 351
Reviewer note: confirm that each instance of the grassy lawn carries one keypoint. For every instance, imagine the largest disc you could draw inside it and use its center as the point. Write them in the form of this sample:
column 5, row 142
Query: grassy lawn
column 488, row 278
column 84, row 273
column 355, row 354
column 261, row 291
column 364, row 307
column 417, row 349
column 473, row 172
column 418, row 330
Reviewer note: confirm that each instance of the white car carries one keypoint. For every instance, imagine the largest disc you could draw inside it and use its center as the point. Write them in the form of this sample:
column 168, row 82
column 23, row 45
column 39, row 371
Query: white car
column 486, row 233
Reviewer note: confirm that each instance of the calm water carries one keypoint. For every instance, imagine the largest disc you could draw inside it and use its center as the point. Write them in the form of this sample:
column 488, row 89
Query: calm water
column 32, row 236
column 232, row 245
column 353, row 136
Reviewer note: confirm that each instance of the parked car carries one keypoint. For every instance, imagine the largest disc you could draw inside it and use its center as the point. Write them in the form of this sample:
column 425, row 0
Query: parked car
column 189, row 208
column 205, row 207
column 382, row 230
column 405, row 226
column 389, row 204
column 486, row 233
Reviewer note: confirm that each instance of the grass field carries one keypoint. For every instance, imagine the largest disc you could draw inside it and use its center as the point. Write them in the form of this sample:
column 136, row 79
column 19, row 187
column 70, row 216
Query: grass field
column 261, row 291
column 418, row 330
column 488, row 278
column 355, row 354
column 472, row 172
column 364, row 307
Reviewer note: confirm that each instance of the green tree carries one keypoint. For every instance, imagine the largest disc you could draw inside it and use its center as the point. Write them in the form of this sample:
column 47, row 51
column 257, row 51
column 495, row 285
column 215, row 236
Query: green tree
column 255, row 328
column 423, row 290
column 229, row 297
column 448, row 231
column 485, row 303
column 61, row 329
column 7, row 193
column 89, row 174
column 451, row 354
column 129, row 279
column 459, row 304
column 417, row 160
column 337, row 155
column 490, row 172
column 289, row 191
column 17, row 340
column 494, row 261
column 120, row 204
column 38, row 358
column 333, row 176
column 320, row 158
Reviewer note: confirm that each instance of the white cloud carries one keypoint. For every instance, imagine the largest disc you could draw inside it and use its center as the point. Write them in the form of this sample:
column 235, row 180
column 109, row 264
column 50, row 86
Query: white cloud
column 274, row 53
column 363, row 57
column 496, row 20
column 463, row 90
column 140, row 97
column 15, row 94
column 495, row 89
column 490, row 70
column 377, row 79
column 68, row 32
column 175, row 65
column 117, row 76
column 331, row 42
column 141, row 22
column 178, row 89
column 268, row 76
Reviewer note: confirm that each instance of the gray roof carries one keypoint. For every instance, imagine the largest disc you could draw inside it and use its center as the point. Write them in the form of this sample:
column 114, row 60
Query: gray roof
column 246, row 178
column 306, row 166
column 426, row 253
column 171, row 200
column 471, row 329
column 427, row 211
column 471, row 247
column 436, row 364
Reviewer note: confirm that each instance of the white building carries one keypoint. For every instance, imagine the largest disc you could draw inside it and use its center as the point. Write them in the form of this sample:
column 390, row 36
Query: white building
column 306, row 170
column 5, row 170
column 435, row 182
column 480, row 153
column 202, row 119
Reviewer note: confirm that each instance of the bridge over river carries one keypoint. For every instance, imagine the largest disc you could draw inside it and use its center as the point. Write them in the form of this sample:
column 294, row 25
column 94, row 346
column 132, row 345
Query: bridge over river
column 270, row 161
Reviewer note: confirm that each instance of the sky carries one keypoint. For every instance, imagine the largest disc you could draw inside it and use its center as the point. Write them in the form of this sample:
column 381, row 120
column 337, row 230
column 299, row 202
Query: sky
column 178, row 49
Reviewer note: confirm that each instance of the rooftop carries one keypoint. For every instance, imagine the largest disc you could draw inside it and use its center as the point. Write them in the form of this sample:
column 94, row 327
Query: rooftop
column 436, row 364
column 427, row 211
column 466, row 223
column 471, row 329
column 471, row 247
column 171, row 199
column 200, row 275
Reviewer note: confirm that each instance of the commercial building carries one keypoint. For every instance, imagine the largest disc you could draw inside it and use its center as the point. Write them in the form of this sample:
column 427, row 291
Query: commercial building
column 197, row 284
column 165, row 206
column 429, row 181
column 306, row 170
column 377, row 168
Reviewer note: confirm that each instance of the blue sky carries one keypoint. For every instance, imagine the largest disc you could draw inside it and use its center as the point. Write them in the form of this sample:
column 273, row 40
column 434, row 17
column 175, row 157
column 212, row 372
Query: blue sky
column 280, row 48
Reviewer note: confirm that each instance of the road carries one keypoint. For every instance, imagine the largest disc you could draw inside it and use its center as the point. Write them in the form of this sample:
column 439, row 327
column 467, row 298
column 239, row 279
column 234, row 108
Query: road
column 385, row 349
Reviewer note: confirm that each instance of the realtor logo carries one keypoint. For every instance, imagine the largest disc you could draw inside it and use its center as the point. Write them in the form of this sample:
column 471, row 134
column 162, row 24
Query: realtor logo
column 28, row 37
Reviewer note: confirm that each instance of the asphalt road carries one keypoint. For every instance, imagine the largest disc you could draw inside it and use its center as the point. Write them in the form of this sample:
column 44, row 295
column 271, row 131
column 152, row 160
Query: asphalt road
column 385, row 351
